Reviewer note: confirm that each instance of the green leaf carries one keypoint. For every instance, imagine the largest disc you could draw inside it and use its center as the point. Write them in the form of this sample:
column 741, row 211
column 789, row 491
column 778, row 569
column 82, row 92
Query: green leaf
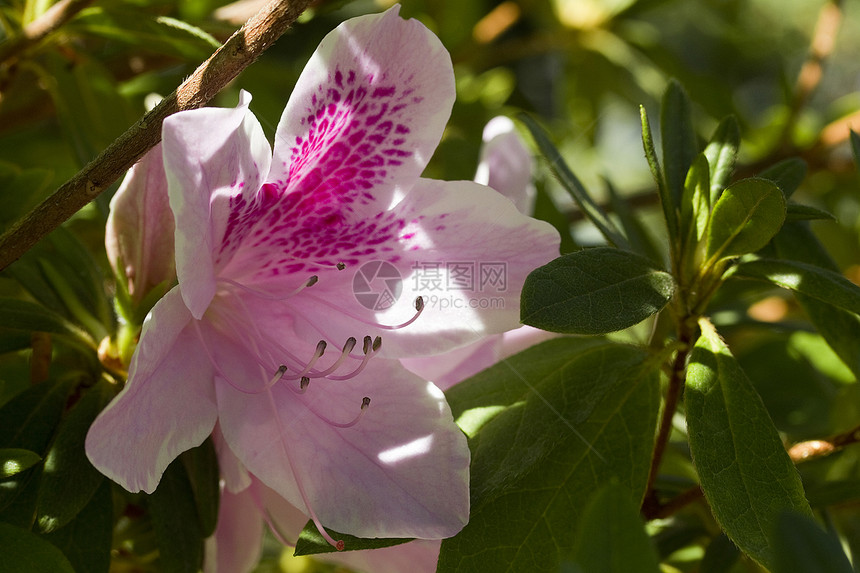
column 310, row 541
column 744, row 470
column 798, row 212
column 855, row 146
column 800, row 545
column 722, row 152
column 28, row 421
column 69, row 480
column 572, row 184
column 548, row 428
column 86, row 541
column 546, row 210
column 695, row 203
column 680, row 146
column 26, row 551
column 670, row 206
column 139, row 29
column 827, row 286
column 22, row 190
column 32, row 317
column 176, row 522
column 634, row 226
column 746, row 216
column 720, row 555
column 788, row 174
column 15, row 460
column 594, row 291
column 201, row 463
column 840, row 328
column 612, row 538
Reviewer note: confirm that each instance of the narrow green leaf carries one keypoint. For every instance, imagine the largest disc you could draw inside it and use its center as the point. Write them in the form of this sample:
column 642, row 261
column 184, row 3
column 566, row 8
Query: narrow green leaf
column 32, row 317
column 176, row 523
column 26, row 551
column 634, row 226
column 546, row 210
column 798, row 212
column 69, row 480
column 201, row 463
column 310, row 541
column 788, row 174
column 746, row 216
column 548, row 428
column 594, row 291
column 679, row 142
column 670, row 206
column 744, row 470
column 612, row 538
column 840, row 328
column 15, row 460
column 722, row 152
column 800, row 545
column 572, row 184
column 827, row 286
column 696, row 202
column 855, row 146
column 22, row 190
column 86, row 541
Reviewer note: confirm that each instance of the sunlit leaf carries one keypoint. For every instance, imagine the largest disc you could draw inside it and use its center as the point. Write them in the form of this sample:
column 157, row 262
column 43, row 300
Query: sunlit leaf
column 722, row 152
column 746, row 216
column 310, row 541
column 671, row 207
column 16, row 460
column 679, row 142
column 788, row 174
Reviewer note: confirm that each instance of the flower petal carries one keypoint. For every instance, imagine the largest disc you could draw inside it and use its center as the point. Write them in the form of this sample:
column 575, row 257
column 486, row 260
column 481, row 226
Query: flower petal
column 167, row 406
column 506, row 165
column 139, row 233
column 364, row 118
column 215, row 159
column 237, row 543
column 463, row 247
column 400, row 471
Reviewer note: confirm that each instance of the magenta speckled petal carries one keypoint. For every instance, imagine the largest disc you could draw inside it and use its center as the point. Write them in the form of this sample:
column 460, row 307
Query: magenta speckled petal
column 214, row 159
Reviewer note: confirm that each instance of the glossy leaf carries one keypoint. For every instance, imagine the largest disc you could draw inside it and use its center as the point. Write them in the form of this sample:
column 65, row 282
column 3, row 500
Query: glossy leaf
column 798, row 212
column 548, row 428
column 177, row 526
column 86, row 541
column 69, row 480
column 696, row 203
column 594, row 291
column 310, row 541
column 573, row 185
column 788, row 174
column 746, row 216
column 612, row 537
column 670, row 206
column 679, row 143
column 743, row 468
column 827, row 286
column 721, row 153
column 26, row 551
column 15, row 460
column 840, row 328
column 800, row 545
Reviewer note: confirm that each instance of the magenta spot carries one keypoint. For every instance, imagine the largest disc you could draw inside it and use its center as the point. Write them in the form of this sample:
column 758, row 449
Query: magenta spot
column 384, row 92
column 338, row 78
column 401, row 129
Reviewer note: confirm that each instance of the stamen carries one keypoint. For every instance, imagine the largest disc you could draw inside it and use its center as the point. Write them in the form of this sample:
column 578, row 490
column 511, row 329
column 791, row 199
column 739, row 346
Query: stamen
column 347, row 348
column 365, row 404
column 278, row 375
column 321, row 346
column 304, row 383
column 267, row 296
column 341, row 266
column 419, row 307
column 370, row 349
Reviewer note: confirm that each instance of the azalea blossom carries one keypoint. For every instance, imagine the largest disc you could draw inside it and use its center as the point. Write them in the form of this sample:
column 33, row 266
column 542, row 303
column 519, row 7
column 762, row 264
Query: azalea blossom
column 270, row 245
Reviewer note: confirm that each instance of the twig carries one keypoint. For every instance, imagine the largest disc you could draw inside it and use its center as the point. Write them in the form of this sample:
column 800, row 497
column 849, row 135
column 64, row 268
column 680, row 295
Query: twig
column 811, row 449
column 235, row 55
column 35, row 31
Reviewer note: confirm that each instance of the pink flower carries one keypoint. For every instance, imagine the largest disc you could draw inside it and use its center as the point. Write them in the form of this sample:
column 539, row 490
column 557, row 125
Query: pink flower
column 271, row 248
column 139, row 233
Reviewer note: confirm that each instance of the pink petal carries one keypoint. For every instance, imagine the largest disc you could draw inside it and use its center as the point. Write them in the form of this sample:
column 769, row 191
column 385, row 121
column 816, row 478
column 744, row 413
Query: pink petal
column 463, row 247
column 234, row 475
column 139, row 231
column 166, row 407
column 506, row 165
column 362, row 123
column 401, row 471
column 237, row 544
column 419, row 556
column 215, row 160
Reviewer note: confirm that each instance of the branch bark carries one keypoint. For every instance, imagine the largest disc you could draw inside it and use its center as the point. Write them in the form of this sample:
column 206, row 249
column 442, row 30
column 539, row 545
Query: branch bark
column 211, row 76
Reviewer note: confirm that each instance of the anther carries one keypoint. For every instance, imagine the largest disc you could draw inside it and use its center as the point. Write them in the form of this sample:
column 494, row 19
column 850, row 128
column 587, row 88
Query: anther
column 347, row 348
column 312, row 281
column 370, row 348
column 320, row 350
column 419, row 307
column 377, row 343
column 365, row 403
column 278, row 375
column 368, row 344
column 341, row 266
column 303, row 385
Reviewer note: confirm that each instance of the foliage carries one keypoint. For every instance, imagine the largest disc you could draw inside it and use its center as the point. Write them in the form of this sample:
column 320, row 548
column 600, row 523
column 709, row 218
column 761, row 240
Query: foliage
column 707, row 285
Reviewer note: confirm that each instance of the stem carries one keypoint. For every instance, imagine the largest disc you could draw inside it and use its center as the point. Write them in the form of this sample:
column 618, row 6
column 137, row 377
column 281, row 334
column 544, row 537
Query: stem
column 235, row 55
column 38, row 29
